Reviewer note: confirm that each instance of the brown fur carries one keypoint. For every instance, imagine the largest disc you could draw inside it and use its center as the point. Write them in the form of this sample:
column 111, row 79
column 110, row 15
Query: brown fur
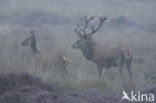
column 103, row 55
column 50, row 60
column 46, row 60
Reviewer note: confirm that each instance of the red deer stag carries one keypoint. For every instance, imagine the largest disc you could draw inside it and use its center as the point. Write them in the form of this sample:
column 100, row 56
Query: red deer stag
column 102, row 55
column 48, row 60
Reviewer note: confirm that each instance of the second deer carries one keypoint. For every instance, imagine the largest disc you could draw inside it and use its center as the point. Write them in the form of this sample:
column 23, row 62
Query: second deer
column 47, row 60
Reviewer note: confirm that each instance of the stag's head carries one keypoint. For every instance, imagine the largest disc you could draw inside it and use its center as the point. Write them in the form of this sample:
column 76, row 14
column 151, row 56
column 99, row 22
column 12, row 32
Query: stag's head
column 29, row 41
column 85, row 38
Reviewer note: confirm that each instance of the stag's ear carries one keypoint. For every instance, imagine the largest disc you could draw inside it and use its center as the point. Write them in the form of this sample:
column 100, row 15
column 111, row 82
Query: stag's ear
column 87, row 37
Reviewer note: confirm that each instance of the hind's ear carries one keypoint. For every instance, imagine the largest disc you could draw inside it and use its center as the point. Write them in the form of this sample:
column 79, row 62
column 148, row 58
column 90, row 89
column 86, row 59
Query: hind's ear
column 32, row 33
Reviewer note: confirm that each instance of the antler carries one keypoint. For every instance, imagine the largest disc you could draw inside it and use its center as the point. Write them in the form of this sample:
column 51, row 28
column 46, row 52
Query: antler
column 87, row 20
column 102, row 19
column 81, row 33
column 78, row 33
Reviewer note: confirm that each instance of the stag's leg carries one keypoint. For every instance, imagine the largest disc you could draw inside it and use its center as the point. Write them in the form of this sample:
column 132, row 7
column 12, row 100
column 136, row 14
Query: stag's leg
column 129, row 62
column 120, row 79
column 120, row 72
column 120, row 65
column 100, row 68
column 108, row 73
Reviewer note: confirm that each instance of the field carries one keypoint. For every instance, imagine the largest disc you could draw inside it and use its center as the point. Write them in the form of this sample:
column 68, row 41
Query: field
column 83, row 73
column 130, row 23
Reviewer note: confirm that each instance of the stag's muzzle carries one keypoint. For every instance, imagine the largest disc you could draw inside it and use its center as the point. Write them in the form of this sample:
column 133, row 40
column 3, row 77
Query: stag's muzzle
column 75, row 46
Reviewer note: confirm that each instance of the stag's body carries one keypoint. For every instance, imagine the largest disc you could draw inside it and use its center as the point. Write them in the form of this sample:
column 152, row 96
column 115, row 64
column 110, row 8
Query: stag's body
column 46, row 60
column 103, row 55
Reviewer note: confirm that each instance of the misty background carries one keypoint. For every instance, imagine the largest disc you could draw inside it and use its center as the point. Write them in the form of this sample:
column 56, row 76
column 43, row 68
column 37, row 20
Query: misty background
column 140, row 11
column 130, row 22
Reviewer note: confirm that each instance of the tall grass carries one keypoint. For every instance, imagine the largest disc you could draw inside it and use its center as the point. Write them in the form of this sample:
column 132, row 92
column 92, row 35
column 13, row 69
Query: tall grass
column 83, row 73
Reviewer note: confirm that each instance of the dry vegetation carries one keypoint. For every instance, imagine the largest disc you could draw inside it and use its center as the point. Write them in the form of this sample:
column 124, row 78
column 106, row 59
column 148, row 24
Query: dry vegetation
column 83, row 73
column 130, row 22
column 23, row 88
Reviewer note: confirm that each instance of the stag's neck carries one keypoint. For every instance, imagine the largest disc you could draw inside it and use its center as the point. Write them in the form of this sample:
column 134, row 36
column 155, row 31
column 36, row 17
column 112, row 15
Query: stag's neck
column 89, row 50
column 34, row 50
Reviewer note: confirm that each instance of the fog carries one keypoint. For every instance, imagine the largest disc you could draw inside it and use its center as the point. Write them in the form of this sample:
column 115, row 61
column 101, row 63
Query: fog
column 130, row 22
column 138, row 10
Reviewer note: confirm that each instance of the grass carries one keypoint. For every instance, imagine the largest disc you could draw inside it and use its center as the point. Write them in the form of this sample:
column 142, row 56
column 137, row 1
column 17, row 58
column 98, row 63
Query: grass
column 83, row 73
